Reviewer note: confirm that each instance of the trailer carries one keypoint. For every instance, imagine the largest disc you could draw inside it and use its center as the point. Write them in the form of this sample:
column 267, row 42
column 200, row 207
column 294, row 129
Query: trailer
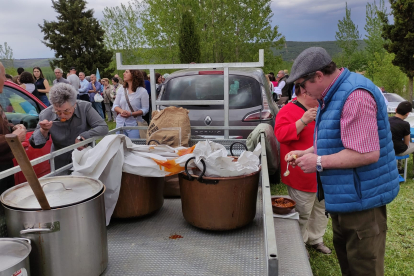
column 163, row 243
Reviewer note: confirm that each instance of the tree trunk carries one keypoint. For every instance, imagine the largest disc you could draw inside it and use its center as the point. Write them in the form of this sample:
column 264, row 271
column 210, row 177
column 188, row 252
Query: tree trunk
column 410, row 88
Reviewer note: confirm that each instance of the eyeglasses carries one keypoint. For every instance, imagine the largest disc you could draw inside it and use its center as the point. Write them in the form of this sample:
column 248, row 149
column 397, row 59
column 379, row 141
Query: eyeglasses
column 302, row 84
column 64, row 112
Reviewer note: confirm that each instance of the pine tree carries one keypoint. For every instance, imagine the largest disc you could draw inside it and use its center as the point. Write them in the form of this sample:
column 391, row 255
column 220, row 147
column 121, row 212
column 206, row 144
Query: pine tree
column 188, row 40
column 77, row 38
column 400, row 36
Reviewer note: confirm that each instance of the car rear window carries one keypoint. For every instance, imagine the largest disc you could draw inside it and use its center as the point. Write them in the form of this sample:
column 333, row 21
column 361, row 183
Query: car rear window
column 394, row 98
column 244, row 92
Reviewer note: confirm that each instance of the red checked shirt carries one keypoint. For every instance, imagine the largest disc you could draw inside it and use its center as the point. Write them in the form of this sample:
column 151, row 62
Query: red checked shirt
column 359, row 128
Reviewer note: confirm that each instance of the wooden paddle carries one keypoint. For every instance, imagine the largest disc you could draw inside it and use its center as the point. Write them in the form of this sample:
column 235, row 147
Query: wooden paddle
column 27, row 169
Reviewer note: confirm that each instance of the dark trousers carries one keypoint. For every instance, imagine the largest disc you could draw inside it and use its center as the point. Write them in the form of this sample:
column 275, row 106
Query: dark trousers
column 84, row 97
column 359, row 241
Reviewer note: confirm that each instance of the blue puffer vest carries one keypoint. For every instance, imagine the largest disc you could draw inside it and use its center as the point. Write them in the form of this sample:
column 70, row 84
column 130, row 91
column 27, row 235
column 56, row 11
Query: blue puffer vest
column 362, row 188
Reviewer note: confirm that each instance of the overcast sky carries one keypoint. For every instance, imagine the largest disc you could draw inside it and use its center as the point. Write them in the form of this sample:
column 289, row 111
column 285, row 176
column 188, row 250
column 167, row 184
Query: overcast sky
column 298, row 20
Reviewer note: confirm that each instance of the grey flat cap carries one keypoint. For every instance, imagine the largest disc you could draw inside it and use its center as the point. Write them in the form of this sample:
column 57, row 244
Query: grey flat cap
column 309, row 61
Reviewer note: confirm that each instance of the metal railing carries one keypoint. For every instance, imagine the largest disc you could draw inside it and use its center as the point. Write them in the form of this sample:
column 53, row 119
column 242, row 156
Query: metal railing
column 225, row 66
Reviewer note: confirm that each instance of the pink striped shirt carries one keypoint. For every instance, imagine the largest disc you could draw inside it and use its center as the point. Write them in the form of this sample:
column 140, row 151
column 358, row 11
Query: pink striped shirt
column 359, row 128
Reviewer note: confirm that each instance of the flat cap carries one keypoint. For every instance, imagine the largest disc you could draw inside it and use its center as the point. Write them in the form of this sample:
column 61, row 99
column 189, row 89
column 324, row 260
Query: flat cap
column 309, row 61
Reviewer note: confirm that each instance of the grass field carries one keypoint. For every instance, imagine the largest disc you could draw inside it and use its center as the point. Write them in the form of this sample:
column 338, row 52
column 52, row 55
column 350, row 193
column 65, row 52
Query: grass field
column 400, row 236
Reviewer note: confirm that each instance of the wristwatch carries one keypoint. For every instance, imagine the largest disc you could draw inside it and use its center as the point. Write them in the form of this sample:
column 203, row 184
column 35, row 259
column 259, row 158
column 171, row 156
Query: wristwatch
column 80, row 138
column 319, row 167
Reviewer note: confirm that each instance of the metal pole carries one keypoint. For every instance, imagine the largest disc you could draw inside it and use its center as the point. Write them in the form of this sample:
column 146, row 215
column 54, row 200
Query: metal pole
column 153, row 92
column 226, row 102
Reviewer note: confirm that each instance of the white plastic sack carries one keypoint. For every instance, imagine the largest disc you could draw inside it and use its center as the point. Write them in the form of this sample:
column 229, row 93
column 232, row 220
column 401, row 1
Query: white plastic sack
column 218, row 164
column 98, row 98
column 116, row 153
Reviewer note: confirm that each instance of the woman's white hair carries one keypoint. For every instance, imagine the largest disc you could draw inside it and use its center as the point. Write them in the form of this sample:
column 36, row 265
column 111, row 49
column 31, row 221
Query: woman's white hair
column 61, row 93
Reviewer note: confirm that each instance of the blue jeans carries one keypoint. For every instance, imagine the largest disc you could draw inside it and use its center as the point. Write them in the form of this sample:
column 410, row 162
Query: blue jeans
column 98, row 108
column 43, row 98
column 130, row 133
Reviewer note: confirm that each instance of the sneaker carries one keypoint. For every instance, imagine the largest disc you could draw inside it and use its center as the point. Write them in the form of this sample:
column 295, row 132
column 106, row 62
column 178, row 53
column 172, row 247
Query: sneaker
column 321, row 247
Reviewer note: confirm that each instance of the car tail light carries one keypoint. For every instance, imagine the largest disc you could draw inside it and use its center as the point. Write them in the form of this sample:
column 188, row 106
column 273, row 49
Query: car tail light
column 260, row 115
column 211, row 72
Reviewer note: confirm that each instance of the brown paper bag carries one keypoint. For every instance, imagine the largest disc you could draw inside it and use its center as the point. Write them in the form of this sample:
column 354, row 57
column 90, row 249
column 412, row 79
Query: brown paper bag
column 170, row 126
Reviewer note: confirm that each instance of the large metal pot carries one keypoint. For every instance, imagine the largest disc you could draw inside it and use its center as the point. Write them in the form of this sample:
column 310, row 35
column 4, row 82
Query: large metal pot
column 139, row 196
column 14, row 257
column 219, row 203
column 70, row 239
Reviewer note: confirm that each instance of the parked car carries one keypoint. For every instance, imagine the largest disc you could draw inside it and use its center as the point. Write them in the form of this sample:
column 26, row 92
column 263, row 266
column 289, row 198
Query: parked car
column 393, row 101
column 21, row 107
column 247, row 98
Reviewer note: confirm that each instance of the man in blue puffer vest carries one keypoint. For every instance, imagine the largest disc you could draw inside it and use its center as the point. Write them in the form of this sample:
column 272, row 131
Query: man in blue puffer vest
column 353, row 156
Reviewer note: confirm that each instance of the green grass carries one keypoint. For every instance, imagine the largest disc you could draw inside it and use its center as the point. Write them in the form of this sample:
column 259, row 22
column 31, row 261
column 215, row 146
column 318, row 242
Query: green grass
column 400, row 235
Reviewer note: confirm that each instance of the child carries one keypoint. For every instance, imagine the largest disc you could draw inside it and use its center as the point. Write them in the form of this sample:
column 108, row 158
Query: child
column 400, row 129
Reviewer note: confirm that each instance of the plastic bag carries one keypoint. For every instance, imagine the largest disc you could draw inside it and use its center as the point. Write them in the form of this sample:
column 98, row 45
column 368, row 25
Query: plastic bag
column 218, row 164
column 98, row 98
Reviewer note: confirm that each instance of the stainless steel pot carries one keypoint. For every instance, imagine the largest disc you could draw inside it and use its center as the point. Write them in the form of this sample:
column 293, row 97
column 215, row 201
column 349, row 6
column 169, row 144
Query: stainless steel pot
column 70, row 239
column 14, row 257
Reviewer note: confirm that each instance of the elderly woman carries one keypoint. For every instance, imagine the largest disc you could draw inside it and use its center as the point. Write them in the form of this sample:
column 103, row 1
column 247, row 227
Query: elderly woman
column 67, row 121
column 294, row 127
column 131, row 102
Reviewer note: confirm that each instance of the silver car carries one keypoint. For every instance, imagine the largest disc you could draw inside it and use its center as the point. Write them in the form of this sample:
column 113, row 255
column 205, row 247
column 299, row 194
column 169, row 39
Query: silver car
column 250, row 102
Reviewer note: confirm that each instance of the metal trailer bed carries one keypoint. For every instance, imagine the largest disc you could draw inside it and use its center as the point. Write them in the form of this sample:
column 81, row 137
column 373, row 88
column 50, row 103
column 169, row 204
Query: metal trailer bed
column 147, row 245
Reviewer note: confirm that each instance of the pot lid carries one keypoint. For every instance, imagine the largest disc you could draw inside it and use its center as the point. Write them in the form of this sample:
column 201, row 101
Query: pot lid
column 13, row 251
column 60, row 191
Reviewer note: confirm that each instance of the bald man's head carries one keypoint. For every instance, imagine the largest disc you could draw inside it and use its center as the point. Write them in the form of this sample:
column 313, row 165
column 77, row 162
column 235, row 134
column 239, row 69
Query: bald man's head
column 2, row 77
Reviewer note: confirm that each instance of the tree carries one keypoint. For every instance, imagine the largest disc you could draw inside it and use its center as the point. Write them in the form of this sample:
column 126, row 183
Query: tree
column 400, row 37
column 122, row 30
column 189, row 40
column 347, row 38
column 374, row 43
column 230, row 31
column 77, row 38
column 6, row 55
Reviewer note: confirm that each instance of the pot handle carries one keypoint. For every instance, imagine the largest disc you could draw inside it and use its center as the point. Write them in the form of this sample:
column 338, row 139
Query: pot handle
column 190, row 177
column 153, row 141
column 56, row 182
column 25, row 240
column 35, row 230
column 231, row 147
column 49, row 228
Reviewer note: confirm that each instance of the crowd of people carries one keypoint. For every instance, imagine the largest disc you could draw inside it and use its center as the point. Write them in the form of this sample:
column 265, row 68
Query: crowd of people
column 126, row 109
column 333, row 130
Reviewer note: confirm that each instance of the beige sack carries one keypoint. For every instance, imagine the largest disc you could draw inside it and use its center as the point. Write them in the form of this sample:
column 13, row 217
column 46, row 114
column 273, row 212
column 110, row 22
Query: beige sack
column 170, row 126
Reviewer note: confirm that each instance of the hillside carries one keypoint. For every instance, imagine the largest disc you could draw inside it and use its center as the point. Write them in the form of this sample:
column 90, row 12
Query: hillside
column 293, row 48
column 289, row 52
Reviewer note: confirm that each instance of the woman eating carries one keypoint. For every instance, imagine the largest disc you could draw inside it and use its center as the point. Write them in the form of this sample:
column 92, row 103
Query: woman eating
column 67, row 121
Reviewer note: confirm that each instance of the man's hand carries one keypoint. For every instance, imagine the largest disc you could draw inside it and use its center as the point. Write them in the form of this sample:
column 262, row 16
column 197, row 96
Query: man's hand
column 292, row 157
column 310, row 115
column 77, row 141
column 307, row 162
column 21, row 133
